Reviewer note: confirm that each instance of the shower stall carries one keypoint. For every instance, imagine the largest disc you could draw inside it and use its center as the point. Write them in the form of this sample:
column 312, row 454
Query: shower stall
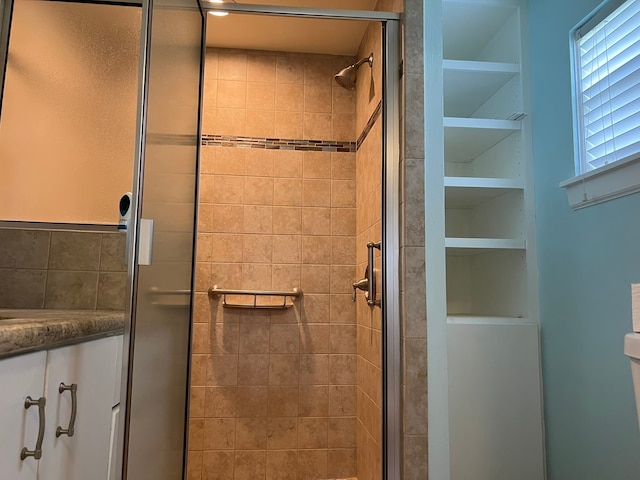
column 294, row 370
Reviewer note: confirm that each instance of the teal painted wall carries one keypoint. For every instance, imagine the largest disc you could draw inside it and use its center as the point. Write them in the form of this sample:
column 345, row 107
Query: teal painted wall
column 587, row 260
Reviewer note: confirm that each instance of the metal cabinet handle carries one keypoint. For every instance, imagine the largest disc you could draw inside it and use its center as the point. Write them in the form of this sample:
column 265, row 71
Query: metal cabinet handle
column 37, row 452
column 73, row 388
column 371, row 297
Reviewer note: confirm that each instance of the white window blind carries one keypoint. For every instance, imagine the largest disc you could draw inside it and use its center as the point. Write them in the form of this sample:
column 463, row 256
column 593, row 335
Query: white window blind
column 608, row 87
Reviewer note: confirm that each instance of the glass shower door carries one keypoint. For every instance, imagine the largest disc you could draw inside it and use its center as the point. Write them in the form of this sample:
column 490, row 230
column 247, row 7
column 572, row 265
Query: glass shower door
column 162, row 230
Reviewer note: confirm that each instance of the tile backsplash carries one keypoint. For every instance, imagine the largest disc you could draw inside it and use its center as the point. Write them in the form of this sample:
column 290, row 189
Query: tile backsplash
column 57, row 269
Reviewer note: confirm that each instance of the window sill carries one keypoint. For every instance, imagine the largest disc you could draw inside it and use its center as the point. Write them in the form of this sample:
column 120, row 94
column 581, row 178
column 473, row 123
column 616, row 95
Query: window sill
column 605, row 183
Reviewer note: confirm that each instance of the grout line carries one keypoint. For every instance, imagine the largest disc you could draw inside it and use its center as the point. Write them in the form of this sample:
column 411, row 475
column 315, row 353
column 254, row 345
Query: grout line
column 46, row 272
column 95, row 304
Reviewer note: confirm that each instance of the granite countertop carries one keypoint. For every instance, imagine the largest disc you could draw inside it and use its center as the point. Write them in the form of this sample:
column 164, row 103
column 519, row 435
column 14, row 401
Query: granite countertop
column 23, row 331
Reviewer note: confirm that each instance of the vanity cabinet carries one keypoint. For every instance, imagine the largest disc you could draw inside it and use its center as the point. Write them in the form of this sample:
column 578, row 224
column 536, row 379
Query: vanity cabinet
column 86, row 371
column 91, row 367
column 21, row 377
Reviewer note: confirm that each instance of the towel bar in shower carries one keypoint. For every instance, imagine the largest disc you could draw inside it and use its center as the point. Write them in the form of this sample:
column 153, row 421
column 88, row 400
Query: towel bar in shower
column 294, row 294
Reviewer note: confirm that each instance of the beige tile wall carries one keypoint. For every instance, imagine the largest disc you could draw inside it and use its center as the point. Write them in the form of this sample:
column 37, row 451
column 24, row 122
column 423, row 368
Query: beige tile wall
column 369, row 334
column 273, row 395
column 369, row 229
column 275, row 94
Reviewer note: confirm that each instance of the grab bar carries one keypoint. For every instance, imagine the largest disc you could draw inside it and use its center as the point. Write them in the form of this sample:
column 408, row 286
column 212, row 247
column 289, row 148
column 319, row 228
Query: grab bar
column 216, row 291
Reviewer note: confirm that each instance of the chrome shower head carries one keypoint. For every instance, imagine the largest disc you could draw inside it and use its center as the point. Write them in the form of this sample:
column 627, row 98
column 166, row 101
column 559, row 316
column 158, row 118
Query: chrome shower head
column 346, row 77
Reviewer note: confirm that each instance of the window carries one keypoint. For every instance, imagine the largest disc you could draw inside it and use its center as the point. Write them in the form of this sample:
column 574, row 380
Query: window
column 606, row 53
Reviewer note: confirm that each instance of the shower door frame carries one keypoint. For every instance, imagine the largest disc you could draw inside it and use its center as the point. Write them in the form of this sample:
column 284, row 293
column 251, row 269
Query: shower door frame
column 6, row 12
column 391, row 73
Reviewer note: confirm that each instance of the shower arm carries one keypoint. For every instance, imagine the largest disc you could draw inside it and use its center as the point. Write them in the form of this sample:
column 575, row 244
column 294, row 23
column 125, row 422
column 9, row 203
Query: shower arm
column 364, row 60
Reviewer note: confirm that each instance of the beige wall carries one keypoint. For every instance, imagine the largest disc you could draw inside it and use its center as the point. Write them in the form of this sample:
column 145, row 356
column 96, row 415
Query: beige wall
column 273, row 395
column 67, row 129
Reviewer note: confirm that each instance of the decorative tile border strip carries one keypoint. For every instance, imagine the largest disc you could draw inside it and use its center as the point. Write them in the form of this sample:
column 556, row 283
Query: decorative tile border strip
column 278, row 143
column 372, row 120
column 292, row 144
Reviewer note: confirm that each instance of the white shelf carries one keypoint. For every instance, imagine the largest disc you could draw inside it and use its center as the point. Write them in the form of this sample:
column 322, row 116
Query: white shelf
column 468, row 192
column 468, row 138
column 481, row 124
column 469, row 67
column 469, row 84
column 478, row 246
column 487, row 320
column 482, row 182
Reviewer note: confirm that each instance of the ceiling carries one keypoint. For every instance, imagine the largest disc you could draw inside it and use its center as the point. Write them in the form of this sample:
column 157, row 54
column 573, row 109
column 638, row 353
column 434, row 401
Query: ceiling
column 290, row 34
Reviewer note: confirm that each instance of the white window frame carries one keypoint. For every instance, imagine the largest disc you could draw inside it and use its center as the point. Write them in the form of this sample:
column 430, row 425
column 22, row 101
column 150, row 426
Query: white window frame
column 615, row 179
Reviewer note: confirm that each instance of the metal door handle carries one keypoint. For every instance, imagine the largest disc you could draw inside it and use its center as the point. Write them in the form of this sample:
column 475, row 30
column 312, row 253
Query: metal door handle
column 36, row 452
column 371, row 274
column 368, row 283
column 73, row 388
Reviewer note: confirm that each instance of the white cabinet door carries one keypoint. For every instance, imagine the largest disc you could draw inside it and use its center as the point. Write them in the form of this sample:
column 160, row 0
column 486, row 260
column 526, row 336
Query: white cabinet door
column 21, row 376
column 495, row 408
column 85, row 455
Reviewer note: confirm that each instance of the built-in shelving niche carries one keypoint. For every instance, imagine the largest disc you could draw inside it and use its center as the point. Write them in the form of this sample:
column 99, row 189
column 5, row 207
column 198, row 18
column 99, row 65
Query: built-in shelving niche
column 492, row 325
column 484, row 182
column 481, row 89
column 478, row 31
column 493, row 210
column 497, row 156
column 487, row 282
